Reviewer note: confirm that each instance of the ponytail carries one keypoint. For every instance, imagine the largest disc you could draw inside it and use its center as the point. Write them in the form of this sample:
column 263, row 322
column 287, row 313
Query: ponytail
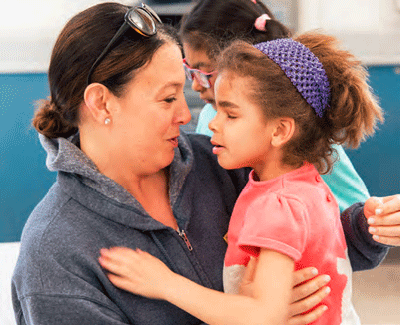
column 354, row 111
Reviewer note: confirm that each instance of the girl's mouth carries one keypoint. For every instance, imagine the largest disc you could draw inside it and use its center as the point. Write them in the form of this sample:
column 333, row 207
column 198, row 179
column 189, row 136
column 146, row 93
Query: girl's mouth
column 217, row 149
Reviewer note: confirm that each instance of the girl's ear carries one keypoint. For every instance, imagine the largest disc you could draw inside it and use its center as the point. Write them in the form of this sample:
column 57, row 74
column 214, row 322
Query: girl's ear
column 96, row 98
column 283, row 132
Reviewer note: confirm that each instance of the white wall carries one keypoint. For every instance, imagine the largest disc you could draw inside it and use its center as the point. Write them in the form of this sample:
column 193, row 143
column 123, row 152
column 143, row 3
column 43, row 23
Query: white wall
column 28, row 30
column 369, row 28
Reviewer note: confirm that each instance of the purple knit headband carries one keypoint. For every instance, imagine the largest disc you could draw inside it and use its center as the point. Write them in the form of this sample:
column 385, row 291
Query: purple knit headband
column 303, row 69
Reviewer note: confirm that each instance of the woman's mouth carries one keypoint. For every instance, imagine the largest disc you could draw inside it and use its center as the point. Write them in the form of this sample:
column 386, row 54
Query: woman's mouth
column 174, row 142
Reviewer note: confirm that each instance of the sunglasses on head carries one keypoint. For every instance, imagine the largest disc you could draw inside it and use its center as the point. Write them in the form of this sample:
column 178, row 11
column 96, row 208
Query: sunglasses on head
column 203, row 78
column 141, row 19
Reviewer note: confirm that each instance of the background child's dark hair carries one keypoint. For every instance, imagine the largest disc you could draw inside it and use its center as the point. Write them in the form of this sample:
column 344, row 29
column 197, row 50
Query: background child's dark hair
column 353, row 113
column 213, row 24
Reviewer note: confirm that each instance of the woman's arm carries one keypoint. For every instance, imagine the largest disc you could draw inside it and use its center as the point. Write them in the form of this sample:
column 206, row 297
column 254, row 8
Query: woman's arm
column 143, row 274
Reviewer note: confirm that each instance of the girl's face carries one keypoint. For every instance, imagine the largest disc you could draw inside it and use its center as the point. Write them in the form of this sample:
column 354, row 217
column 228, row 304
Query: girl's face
column 198, row 59
column 146, row 119
column 242, row 134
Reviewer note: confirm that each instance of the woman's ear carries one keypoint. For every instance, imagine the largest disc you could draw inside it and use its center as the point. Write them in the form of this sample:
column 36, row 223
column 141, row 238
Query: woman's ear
column 283, row 131
column 96, row 98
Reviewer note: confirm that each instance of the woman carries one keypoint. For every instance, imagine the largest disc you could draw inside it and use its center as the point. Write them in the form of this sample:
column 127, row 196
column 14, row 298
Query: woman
column 207, row 30
column 127, row 177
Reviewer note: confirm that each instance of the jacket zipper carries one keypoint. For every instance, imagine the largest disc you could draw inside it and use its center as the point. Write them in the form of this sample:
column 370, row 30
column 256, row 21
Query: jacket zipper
column 182, row 234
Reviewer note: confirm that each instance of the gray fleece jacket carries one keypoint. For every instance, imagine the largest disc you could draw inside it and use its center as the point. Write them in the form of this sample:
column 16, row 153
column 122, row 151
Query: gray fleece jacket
column 58, row 279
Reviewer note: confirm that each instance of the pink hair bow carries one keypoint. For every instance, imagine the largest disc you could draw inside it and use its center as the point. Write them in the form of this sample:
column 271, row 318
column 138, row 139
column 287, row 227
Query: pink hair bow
column 260, row 22
column 254, row 1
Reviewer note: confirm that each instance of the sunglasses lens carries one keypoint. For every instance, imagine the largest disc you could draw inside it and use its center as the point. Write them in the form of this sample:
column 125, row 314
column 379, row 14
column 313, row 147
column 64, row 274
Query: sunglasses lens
column 152, row 12
column 141, row 21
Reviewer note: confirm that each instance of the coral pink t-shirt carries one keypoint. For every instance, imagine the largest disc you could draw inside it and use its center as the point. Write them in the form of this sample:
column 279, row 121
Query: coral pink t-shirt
column 296, row 215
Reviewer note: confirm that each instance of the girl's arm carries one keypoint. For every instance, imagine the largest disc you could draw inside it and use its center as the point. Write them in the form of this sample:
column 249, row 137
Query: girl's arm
column 143, row 274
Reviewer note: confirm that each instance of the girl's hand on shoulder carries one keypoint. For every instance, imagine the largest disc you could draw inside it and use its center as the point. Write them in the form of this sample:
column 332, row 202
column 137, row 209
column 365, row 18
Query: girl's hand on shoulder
column 383, row 214
column 136, row 271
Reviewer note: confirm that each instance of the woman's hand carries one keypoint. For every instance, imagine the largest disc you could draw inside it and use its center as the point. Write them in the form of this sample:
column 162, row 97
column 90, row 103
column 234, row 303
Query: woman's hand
column 383, row 216
column 308, row 291
column 137, row 272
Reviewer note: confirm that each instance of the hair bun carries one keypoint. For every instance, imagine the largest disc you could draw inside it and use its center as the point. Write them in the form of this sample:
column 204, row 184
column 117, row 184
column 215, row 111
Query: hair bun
column 49, row 122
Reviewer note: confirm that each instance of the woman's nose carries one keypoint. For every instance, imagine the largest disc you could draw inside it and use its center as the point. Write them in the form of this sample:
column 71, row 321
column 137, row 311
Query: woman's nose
column 183, row 116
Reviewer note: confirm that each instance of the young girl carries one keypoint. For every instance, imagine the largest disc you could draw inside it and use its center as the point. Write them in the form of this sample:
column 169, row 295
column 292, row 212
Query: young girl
column 280, row 106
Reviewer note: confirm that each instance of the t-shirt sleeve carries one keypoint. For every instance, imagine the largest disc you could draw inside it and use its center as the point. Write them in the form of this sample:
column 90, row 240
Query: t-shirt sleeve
column 275, row 222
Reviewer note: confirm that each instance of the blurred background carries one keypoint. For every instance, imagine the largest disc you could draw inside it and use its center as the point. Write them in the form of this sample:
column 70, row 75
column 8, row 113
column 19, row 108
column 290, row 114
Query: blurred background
column 369, row 28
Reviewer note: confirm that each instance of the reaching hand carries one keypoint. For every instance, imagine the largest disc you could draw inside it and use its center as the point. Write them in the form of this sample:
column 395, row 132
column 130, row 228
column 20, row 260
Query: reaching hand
column 383, row 216
column 136, row 271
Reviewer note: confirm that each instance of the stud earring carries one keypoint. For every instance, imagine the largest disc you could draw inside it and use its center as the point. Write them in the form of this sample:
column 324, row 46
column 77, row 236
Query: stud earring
column 107, row 121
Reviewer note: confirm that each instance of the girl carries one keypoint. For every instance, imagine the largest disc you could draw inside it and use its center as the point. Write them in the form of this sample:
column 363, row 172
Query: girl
column 211, row 26
column 280, row 106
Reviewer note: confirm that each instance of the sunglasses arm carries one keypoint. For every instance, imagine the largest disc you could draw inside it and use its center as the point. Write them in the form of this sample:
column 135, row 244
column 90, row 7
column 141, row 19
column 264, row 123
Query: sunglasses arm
column 125, row 26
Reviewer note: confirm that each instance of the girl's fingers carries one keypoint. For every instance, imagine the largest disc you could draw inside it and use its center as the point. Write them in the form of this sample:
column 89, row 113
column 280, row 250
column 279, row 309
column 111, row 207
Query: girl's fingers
column 121, row 282
column 308, row 318
column 110, row 265
column 304, row 305
column 118, row 260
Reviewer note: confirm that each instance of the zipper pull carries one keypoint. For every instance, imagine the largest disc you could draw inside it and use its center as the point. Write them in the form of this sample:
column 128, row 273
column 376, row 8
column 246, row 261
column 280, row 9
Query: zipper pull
column 182, row 234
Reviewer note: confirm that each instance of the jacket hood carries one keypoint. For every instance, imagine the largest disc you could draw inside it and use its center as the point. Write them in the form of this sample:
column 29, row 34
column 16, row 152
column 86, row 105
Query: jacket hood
column 65, row 157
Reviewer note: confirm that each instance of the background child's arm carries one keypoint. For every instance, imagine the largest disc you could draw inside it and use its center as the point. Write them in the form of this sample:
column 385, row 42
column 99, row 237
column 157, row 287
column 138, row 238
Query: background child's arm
column 141, row 273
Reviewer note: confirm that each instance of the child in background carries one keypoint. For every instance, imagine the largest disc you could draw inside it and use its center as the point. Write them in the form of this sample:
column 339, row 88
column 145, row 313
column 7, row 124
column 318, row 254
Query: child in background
column 280, row 106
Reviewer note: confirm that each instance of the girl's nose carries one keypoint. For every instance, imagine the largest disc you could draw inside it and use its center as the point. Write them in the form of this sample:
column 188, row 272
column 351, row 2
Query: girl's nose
column 196, row 86
column 212, row 125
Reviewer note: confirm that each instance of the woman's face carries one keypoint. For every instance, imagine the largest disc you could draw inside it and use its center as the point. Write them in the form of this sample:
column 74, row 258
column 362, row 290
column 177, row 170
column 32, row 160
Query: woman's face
column 146, row 119
column 198, row 59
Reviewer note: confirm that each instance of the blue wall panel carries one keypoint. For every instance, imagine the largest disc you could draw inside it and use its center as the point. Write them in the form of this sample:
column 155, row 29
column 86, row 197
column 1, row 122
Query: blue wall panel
column 378, row 159
column 24, row 178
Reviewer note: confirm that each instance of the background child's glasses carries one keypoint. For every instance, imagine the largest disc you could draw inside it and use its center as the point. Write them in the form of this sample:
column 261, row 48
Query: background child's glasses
column 203, row 78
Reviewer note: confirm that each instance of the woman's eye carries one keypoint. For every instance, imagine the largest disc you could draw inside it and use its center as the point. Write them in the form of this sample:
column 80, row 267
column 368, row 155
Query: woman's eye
column 231, row 117
column 170, row 100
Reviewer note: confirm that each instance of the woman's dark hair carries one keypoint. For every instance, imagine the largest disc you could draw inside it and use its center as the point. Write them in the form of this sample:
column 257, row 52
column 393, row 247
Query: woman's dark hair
column 213, row 24
column 81, row 41
column 351, row 117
